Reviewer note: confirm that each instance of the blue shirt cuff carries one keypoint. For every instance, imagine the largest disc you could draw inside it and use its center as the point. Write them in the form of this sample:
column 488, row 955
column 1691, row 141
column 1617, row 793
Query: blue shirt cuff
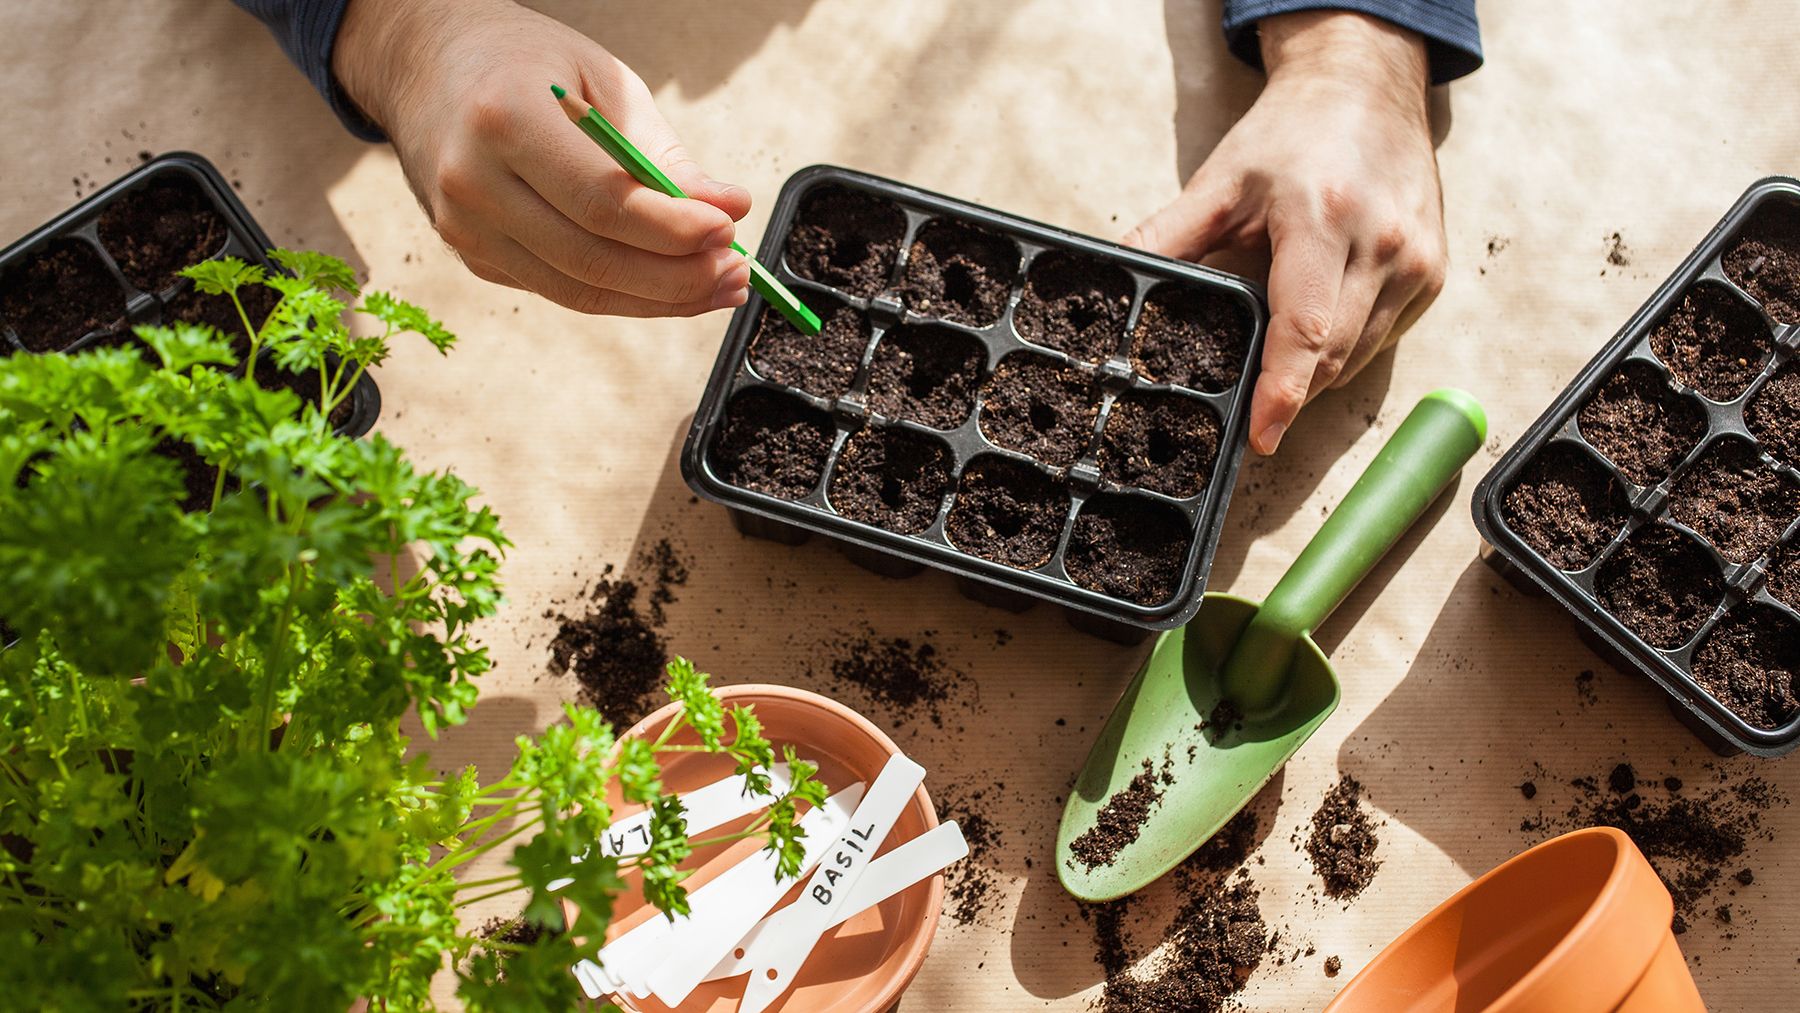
column 1452, row 34
column 307, row 31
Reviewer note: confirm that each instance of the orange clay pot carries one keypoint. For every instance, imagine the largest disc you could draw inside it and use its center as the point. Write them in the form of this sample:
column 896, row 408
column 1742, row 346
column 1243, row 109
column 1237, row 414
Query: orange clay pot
column 1579, row 924
column 861, row 966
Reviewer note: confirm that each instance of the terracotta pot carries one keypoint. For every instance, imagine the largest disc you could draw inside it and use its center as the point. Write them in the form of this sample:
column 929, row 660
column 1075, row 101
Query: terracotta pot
column 1579, row 924
column 863, row 965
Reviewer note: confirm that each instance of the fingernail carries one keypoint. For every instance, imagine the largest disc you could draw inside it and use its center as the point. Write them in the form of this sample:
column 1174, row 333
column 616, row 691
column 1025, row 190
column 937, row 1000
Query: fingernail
column 725, row 300
column 721, row 236
column 725, row 188
column 733, row 284
column 1271, row 438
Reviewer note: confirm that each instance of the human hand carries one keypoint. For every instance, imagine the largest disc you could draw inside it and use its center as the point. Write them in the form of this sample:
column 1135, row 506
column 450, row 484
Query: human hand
column 462, row 88
column 1332, row 173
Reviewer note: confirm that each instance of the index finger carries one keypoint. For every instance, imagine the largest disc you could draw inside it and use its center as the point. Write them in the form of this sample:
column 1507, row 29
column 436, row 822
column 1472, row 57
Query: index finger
column 1305, row 278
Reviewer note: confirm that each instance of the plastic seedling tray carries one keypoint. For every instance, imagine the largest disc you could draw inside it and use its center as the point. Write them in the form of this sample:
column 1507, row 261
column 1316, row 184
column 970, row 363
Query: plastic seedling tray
column 1045, row 415
column 1658, row 498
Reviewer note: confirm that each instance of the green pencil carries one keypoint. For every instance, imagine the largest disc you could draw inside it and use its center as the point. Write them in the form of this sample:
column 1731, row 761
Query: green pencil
column 645, row 171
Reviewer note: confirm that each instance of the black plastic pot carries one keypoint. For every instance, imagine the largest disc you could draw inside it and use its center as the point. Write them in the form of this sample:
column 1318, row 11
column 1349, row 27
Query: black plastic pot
column 884, row 305
column 1646, row 499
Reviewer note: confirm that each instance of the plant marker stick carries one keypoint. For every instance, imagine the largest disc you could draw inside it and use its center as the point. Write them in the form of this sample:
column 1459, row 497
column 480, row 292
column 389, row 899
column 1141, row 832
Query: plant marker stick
column 645, row 171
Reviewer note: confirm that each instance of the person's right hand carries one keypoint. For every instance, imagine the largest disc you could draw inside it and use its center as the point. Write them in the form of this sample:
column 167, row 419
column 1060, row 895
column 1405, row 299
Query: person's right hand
column 462, row 88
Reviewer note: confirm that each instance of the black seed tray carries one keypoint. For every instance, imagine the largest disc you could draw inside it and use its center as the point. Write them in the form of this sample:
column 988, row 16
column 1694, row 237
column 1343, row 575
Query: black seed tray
column 889, row 307
column 1736, row 573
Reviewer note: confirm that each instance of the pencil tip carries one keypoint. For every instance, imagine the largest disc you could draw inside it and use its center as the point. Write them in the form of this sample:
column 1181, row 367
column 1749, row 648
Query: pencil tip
column 557, row 90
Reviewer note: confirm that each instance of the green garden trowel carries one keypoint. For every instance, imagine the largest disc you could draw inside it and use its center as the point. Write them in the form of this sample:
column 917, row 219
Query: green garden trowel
column 1224, row 701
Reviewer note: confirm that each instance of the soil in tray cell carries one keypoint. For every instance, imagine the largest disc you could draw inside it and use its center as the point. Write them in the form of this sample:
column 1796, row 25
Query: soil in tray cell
column 1712, row 341
column 1009, row 512
column 1075, row 304
column 959, row 273
column 1734, row 499
column 60, row 294
column 1784, row 576
column 306, row 386
column 1040, row 407
column 1773, row 415
column 891, row 478
column 1166, row 443
column 159, row 228
column 197, row 476
column 846, row 239
column 1641, row 423
column 1192, row 337
column 218, row 312
column 926, row 375
column 1566, row 506
column 772, row 444
column 822, row 365
column 1662, row 585
column 1129, row 547
column 1764, row 259
column 1750, row 662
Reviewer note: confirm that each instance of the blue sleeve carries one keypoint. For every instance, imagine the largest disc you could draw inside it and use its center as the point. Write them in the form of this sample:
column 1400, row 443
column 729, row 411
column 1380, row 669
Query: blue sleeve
column 307, row 30
column 1452, row 35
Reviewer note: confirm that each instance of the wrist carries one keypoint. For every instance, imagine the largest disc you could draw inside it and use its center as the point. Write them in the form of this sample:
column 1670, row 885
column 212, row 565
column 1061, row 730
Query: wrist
column 384, row 47
column 1348, row 49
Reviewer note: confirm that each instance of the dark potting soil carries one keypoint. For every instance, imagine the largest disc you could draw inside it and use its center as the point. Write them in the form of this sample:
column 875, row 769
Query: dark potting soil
column 1192, row 337
column 1641, row 423
column 846, row 239
column 1566, row 506
column 60, row 294
column 1074, row 304
column 959, row 273
column 1764, row 260
column 971, row 886
column 614, row 649
column 158, row 229
column 1713, row 341
column 1662, row 585
column 927, row 375
column 908, row 680
column 1122, row 816
column 1129, row 547
column 1333, row 964
column 306, row 385
column 772, row 444
column 1750, row 662
column 1008, row 512
column 823, row 364
column 891, row 478
column 1784, row 576
column 1040, row 407
column 1166, row 443
column 1739, row 503
column 192, row 306
column 1343, row 841
column 197, row 477
column 515, row 931
column 1773, row 415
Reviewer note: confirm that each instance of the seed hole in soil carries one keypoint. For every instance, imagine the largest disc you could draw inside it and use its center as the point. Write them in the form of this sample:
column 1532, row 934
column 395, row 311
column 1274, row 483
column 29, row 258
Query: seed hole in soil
column 1713, row 341
column 772, row 444
column 1009, row 512
column 1641, row 423
column 1074, row 304
column 59, row 294
column 217, row 311
column 960, row 273
column 1192, row 337
column 891, row 478
column 846, row 239
column 1750, row 662
column 925, row 374
column 1129, row 548
column 1773, row 415
column 1735, row 500
column 1566, row 506
column 306, row 386
column 159, row 228
column 823, row 364
column 1166, row 443
column 1040, row 407
column 1764, row 259
column 1662, row 585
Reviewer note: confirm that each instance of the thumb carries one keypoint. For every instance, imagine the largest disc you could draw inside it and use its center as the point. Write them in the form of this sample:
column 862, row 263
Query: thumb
column 1191, row 226
column 643, row 124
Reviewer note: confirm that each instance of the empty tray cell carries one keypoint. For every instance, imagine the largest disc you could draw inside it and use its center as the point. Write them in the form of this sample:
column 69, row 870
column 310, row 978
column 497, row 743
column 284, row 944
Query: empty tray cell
column 1129, row 547
column 1163, row 442
column 1736, row 500
column 60, row 293
column 190, row 305
column 772, row 444
column 846, row 239
column 1566, row 505
column 1007, row 511
column 1641, row 423
column 1662, row 585
column 959, row 273
column 926, row 374
column 1040, row 407
column 197, row 476
column 159, row 228
column 1713, row 341
column 1784, row 576
column 823, row 364
column 1764, row 259
column 1075, row 304
column 891, row 478
column 1749, row 663
column 1773, row 415
column 1192, row 337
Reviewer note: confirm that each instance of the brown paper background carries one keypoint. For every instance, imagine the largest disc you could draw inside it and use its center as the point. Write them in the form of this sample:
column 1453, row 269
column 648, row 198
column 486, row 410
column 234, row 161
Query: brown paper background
column 1645, row 118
